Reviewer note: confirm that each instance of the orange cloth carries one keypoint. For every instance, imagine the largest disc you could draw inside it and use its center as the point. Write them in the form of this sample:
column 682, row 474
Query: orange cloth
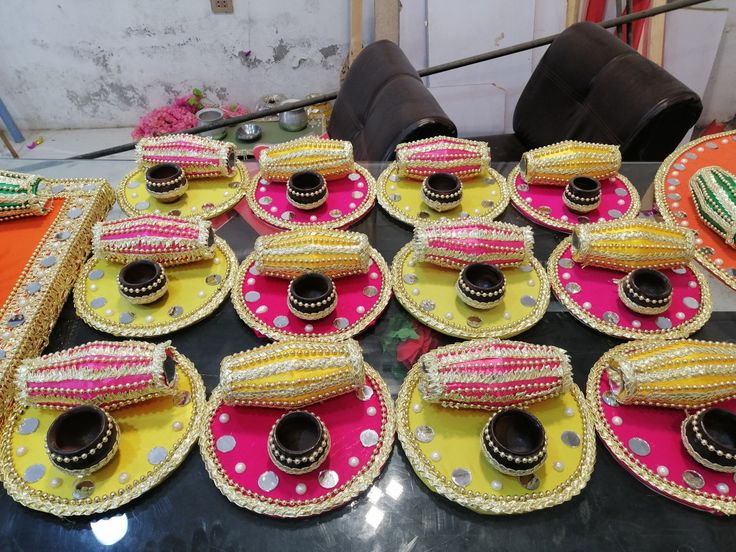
column 20, row 237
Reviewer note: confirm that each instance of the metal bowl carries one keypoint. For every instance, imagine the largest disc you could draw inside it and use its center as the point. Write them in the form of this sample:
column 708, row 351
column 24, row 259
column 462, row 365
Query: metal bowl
column 249, row 132
column 294, row 120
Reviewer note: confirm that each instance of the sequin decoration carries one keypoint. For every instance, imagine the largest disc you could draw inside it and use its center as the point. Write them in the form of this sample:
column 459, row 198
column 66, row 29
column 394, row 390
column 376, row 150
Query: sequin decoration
column 328, row 479
column 462, row 477
column 369, row 438
column 226, row 443
column 571, row 439
column 639, row 446
column 424, row 434
column 693, row 479
column 83, row 489
column 268, row 481
column 28, row 426
column 157, row 455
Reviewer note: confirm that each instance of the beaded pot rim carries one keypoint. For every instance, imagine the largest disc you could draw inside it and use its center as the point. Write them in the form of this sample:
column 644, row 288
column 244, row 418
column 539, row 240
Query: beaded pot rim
column 667, row 212
column 439, row 323
column 347, row 492
column 341, row 222
column 86, row 201
column 691, row 497
column 384, row 201
column 237, row 193
column 91, row 317
column 698, row 321
column 537, row 216
column 365, row 320
column 35, row 499
column 489, row 503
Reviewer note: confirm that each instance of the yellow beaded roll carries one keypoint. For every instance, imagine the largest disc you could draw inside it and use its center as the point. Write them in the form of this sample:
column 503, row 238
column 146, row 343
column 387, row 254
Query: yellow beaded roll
column 677, row 374
column 331, row 158
column 630, row 244
column 334, row 253
column 292, row 374
column 559, row 163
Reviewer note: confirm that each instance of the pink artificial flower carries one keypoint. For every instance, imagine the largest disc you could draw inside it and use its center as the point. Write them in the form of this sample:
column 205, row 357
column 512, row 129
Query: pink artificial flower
column 234, row 110
column 162, row 120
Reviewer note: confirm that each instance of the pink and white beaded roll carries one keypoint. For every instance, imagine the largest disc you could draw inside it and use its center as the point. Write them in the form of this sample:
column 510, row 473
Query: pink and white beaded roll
column 455, row 244
column 199, row 157
column 491, row 374
column 463, row 158
column 108, row 374
column 166, row 240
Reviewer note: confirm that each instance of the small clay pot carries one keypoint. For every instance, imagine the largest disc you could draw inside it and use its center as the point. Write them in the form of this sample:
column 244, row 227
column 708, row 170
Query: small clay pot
column 481, row 286
column 166, row 182
column 645, row 291
column 312, row 296
column 142, row 282
column 514, row 442
column 710, row 438
column 82, row 440
column 299, row 442
column 306, row 190
column 582, row 195
column 442, row 191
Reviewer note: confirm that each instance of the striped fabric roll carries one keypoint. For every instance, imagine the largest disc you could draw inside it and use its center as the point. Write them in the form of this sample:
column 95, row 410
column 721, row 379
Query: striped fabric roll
column 559, row 163
column 166, row 240
column 334, row 253
column 491, row 374
column 199, row 157
column 714, row 194
column 109, row 374
column 22, row 195
column 454, row 244
column 331, row 158
column 292, row 374
column 463, row 158
column 630, row 244
column 683, row 373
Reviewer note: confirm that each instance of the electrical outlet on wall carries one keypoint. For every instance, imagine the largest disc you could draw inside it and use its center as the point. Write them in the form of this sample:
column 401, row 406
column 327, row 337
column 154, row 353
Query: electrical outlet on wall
column 222, row 6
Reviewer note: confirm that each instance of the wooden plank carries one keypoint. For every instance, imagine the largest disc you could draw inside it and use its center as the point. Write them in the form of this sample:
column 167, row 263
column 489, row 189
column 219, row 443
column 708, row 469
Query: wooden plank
column 356, row 28
column 574, row 11
column 655, row 42
column 7, row 143
column 386, row 19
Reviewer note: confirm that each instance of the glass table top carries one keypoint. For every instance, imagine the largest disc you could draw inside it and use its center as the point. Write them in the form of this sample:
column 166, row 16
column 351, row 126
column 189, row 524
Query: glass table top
column 187, row 512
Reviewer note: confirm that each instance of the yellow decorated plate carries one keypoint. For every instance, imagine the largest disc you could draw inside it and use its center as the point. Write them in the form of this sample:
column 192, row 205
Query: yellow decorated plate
column 155, row 436
column 483, row 196
column 427, row 291
column 195, row 290
column 205, row 198
column 443, row 446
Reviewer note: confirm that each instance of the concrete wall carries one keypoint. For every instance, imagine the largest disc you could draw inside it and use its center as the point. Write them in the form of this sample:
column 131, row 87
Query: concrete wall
column 91, row 63
column 719, row 100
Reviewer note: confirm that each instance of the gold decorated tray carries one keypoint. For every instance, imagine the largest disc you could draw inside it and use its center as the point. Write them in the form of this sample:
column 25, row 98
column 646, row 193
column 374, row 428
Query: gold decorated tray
column 205, row 198
column 195, row 290
column 155, row 437
column 483, row 196
column 443, row 447
column 427, row 291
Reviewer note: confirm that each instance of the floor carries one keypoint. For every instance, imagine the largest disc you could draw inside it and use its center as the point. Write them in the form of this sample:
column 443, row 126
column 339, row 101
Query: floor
column 60, row 144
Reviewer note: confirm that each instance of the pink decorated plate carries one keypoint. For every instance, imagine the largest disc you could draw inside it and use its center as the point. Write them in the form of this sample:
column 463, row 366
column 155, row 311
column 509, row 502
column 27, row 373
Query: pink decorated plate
column 591, row 295
column 361, row 427
column 646, row 441
column 261, row 301
column 544, row 205
column 348, row 200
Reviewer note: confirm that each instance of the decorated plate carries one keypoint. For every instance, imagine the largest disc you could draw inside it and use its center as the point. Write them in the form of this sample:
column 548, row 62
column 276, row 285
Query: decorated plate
column 483, row 196
column 427, row 291
column 444, row 448
column 261, row 301
column 544, row 205
column 647, row 442
column 195, row 290
column 675, row 201
column 234, row 449
column 205, row 198
column 348, row 200
column 591, row 295
column 155, row 437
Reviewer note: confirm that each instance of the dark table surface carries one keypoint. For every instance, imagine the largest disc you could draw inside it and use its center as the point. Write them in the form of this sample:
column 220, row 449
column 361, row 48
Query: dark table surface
column 187, row 513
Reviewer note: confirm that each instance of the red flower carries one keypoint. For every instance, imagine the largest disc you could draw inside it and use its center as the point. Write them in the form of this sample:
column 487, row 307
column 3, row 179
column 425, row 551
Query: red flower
column 409, row 350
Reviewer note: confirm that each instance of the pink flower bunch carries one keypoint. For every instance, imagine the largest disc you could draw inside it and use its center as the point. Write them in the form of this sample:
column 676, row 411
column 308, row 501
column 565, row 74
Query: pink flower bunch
column 171, row 118
column 234, row 110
